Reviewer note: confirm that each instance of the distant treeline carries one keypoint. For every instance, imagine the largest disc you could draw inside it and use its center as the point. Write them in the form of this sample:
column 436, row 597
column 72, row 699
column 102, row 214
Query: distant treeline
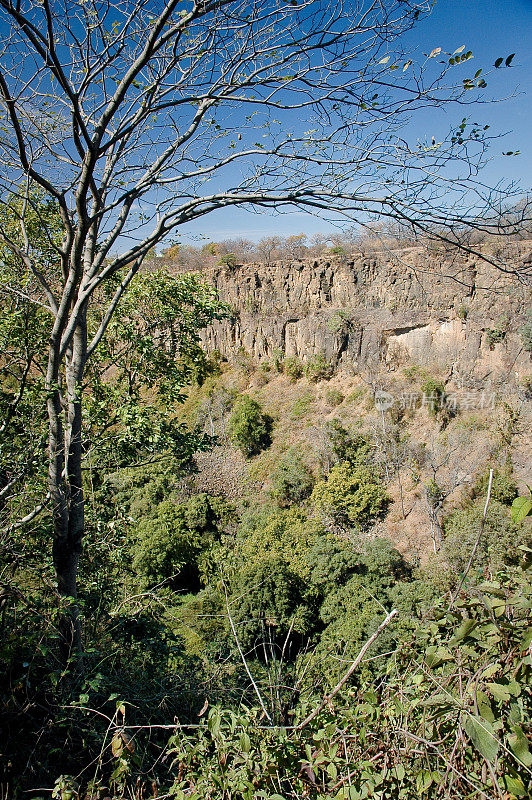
column 373, row 237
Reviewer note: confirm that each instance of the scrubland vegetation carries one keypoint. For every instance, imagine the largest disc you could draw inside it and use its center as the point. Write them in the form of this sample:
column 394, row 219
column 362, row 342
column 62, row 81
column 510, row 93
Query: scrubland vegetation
column 247, row 581
column 220, row 619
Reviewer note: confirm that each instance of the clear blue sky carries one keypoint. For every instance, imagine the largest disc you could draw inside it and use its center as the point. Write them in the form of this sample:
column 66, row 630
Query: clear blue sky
column 491, row 29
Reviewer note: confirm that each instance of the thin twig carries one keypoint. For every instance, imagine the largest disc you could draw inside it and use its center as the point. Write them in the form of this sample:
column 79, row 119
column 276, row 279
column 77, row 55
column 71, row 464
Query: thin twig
column 349, row 672
column 477, row 542
column 242, row 656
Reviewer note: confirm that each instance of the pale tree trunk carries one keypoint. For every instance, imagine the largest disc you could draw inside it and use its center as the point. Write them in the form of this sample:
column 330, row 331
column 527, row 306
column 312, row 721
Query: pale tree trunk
column 65, row 482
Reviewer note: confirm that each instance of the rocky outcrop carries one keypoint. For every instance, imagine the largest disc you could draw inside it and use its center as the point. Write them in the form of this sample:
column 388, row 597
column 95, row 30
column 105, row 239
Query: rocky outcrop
column 389, row 307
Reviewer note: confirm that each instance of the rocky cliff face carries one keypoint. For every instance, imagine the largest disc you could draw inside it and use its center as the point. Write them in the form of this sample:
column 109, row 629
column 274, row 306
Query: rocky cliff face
column 387, row 307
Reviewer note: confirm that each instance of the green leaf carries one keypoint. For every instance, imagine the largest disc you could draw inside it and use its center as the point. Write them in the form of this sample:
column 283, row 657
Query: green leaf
column 484, row 707
column 519, row 745
column 526, row 641
column 499, row 691
column 482, row 735
column 400, row 772
column 463, row 630
column 423, row 780
column 514, row 785
column 521, row 508
column 437, row 655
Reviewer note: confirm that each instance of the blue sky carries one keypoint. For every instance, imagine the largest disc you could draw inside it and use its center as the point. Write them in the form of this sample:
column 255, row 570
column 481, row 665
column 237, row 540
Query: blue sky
column 491, row 30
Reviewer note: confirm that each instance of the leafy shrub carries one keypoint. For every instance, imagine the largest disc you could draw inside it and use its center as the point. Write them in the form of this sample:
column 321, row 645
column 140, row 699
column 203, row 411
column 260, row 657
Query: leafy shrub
column 201, row 623
column 338, row 250
column 228, row 260
column 434, row 395
column 286, row 534
column 333, row 562
column 351, row 496
column 249, row 428
column 353, row 448
column 301, row 406
column 334, row 397
column 494, row 336
column 498, row 545
column 503, row 488
column 293, row 368
column 362, row 734
column 171, row 542
column 340, row 322
column 318, row 368
column 269, row 609
column 292, row 479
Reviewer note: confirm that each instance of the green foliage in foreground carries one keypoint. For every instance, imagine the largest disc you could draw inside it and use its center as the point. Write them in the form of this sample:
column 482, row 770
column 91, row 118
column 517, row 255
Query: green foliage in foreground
column 452, row 716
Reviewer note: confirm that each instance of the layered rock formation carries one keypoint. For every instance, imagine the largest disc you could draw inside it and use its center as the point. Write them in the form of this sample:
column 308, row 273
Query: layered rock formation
column 387, row 307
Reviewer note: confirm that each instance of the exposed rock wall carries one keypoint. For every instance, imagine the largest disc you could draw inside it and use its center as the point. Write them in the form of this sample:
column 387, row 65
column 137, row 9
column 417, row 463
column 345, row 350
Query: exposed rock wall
column 387, row 307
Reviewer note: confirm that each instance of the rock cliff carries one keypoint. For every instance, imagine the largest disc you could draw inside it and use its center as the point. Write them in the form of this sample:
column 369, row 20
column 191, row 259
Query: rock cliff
column 387, row 307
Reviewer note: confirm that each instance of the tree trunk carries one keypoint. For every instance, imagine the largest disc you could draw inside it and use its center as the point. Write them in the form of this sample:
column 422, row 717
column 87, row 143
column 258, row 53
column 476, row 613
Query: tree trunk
column 65, row 484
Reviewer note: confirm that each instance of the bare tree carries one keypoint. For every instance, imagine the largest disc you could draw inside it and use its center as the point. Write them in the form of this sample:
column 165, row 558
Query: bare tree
column 267, row 248
column 139, row 117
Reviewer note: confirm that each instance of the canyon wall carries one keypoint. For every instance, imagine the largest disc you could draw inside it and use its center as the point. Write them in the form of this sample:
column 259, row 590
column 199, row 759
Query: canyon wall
column 388, row 307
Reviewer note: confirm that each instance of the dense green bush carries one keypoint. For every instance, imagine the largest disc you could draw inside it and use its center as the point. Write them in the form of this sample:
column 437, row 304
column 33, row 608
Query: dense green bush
column 171, row 543
column 228, row 260
column 451, row 718
column 201, row 624
column 334, row 562
column 267, row 533
column 250, row 429
column 353, row 448
column 292, row 479
column 351, row 496
column 268, row 610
